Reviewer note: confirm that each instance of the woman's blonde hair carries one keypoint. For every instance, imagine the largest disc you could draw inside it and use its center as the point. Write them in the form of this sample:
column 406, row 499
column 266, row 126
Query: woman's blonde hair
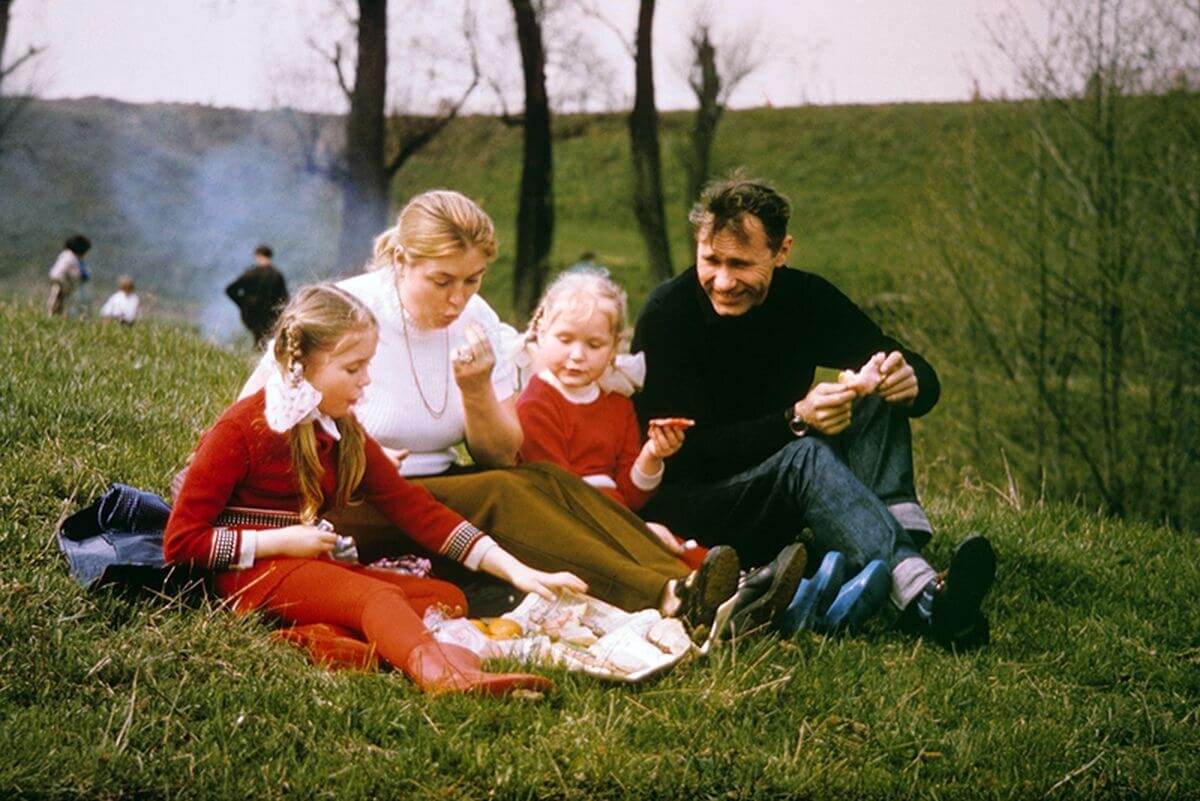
column 579, row 293
column 317, row 319
column 434, row 224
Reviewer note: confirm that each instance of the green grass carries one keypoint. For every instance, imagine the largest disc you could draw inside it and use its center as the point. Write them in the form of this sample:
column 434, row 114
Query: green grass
column 1090, row 689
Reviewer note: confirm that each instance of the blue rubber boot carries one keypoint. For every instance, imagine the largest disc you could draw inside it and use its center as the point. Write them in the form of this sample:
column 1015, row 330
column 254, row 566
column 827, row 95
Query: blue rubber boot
column 814, row 595
column 859, row 599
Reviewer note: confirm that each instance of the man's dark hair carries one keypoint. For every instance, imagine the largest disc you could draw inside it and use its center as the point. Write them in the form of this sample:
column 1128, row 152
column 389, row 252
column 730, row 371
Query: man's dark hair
column 723, row 205
column 78, row 244
column 264, row 250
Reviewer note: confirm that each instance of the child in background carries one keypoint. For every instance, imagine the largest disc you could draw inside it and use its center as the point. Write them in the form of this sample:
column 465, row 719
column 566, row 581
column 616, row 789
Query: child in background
column 279, row 458
column 570, row 414
column 123, row 304
column 68, row 271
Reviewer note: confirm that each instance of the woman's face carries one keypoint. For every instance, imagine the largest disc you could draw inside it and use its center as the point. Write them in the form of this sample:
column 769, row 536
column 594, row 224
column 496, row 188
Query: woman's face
column 435, row 291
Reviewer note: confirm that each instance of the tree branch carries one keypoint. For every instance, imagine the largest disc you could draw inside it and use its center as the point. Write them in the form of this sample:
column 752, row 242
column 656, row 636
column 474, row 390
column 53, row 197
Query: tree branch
column 334, row 58
column 590, row 10
column 410, row 146
column 14, row 66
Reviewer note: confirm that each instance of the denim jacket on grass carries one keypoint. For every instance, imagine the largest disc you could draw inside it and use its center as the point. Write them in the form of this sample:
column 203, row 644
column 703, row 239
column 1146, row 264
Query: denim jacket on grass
column 118, row 539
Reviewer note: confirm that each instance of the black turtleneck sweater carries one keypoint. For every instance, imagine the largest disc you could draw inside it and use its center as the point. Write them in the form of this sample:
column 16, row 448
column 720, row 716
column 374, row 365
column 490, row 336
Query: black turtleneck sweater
column 738, row 377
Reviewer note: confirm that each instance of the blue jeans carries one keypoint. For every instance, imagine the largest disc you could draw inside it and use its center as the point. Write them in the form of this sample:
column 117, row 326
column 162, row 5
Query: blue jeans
column 841, row 487
column 118, row 537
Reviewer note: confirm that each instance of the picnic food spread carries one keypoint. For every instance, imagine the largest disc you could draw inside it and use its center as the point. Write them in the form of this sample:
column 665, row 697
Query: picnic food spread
column 673, row 422
column 865, row 380
column 574, row 631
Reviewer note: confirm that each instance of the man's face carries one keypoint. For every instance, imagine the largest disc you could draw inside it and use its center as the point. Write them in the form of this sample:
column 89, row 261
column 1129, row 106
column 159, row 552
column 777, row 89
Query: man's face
column 735, row 267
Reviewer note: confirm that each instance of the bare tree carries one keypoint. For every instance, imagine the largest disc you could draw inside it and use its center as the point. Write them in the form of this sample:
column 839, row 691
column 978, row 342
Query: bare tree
column 535, row 214
column 376, row 144
column 11, row 106
column 714, row 75
column 647, row 158
column 1084, row 297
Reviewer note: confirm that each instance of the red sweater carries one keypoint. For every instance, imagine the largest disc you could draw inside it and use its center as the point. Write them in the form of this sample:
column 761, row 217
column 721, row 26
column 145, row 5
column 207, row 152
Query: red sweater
column 241, row 462
column 601, row 438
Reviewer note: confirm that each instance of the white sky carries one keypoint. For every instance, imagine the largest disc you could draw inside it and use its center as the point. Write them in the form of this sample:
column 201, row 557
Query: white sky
column 254, row 53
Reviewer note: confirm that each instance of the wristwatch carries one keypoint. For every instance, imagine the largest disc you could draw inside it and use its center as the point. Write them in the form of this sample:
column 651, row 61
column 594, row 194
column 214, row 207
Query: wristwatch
column 797, row 425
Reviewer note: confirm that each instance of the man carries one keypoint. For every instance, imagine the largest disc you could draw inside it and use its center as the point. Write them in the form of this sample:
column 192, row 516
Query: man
column 260, row 293
column 733, row 343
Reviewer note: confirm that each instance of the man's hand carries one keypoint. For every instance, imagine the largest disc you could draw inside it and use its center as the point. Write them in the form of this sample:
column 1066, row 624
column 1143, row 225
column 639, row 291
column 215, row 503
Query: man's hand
column 826, row 407
column 899, row 383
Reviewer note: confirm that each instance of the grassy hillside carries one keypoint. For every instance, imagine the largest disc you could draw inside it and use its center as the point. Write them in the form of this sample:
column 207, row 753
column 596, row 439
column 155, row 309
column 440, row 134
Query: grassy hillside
column 179, row 195
column 1089, row 690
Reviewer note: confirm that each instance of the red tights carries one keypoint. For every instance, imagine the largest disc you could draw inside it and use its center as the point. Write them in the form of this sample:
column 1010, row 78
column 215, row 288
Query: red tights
column 345, row 614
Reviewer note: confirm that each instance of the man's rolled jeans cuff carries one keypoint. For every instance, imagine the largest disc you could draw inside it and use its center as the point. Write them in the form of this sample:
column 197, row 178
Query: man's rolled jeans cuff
column 912, row 518
column 909, row 578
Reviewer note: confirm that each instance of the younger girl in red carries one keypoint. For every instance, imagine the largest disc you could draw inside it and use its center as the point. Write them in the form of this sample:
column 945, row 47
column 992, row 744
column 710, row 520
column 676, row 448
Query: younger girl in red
column 576, row 413
column 294, row 450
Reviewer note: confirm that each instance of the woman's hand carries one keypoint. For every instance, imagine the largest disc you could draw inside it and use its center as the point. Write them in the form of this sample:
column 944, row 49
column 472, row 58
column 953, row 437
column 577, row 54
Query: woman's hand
column 301, row 542
column 473, row 362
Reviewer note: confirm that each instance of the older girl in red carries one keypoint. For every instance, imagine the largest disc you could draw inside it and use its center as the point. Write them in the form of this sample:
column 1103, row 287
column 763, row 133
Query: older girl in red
column 295, row 447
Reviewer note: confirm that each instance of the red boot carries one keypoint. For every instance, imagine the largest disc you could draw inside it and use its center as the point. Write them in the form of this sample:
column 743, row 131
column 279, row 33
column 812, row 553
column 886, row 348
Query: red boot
column 330, row 646
column 441, row 668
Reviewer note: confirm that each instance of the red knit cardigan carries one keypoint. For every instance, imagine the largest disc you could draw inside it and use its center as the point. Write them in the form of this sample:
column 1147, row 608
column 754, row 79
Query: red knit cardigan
column 601, row 438
column 241, row 462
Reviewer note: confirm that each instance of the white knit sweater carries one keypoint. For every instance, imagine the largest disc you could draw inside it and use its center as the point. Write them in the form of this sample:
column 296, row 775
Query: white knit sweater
column 392, row 410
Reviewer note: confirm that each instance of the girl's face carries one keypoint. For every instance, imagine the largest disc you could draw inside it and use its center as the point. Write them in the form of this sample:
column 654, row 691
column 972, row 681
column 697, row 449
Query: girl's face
column 435, row 291
column 340, row 373
column 577, row 352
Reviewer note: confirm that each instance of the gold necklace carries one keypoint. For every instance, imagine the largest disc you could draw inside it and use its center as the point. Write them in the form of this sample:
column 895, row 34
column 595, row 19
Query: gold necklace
column 435, row 413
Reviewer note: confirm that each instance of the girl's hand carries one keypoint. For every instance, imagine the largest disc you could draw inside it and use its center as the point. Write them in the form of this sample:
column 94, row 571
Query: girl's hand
column 396, row 456
column 473, row 362
column 668, row 540
column 664, row 441
column 547, row 585
column 502, row 564
column 301, row 542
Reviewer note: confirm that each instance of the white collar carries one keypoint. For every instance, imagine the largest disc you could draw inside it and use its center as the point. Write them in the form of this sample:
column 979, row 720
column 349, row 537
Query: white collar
column 576, row 395
column 288, row 405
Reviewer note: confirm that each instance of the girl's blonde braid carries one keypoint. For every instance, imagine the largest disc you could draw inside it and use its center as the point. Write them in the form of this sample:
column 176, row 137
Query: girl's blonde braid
column 295, row 352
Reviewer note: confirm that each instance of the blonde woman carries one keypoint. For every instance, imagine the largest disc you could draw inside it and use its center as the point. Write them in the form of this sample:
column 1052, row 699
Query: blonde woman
column 438, row 381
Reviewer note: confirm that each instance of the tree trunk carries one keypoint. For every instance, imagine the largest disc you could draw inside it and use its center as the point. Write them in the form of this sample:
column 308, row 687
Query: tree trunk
column 535, row 215
column 708, row 114
column 365, row 185
column 647, row 162
column 5, row 8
